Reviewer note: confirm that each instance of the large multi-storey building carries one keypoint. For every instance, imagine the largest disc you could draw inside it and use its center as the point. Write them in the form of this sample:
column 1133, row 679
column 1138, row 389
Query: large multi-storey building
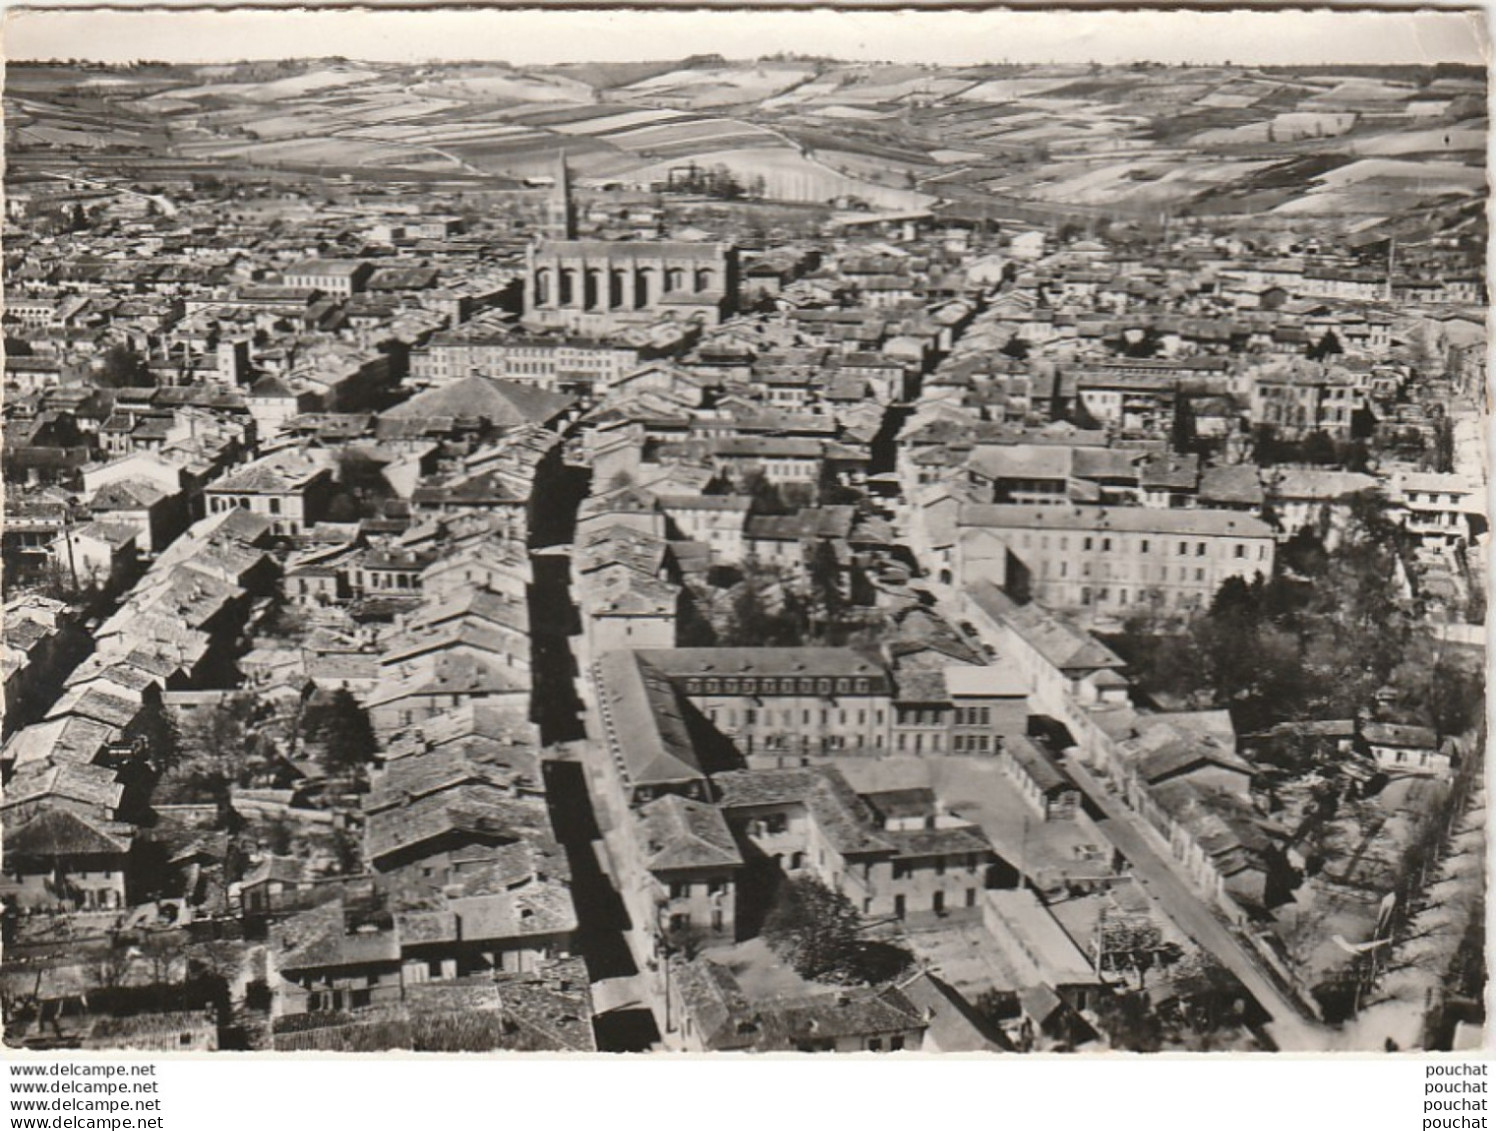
column 1295, row 400
column 1110, row 559
column 342, row 277
column 568, row 364
column 595, row 286
column 784, row 700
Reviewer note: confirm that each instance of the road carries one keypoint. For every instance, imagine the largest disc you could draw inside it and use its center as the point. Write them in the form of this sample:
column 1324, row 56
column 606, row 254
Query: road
column 1289, row 1029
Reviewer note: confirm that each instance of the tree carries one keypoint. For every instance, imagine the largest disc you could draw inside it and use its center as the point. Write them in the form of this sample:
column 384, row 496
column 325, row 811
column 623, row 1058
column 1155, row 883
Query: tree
column 752, row 622
column 342, row 727
column 830, row 490
column 1208, row 994
column 764, row 494
column 687, row 941
column 1304, row 554
column 158, row 738
column 121, row 367
column 1130, row 1023
column 1318, row 448
column 217, row 749
column 1129, row 943
column 825, row 584
column 362, row 477
column 815, row 929
column 1327, row 346
column 348, row 849
column 1016, row 348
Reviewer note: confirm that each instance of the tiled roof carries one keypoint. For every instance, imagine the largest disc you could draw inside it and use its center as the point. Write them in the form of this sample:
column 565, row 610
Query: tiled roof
column 631, row 594
column 788, row 661
column 810, row 522
column 319, row 939
column 1394, row 734
column 676, row 832
column 1239, row 485
column 449, row 673
column 958, row 841
column 126, row 494
column 728, row 1019
column 405, row 780
column 76, row 781
column 274, row 474
column 844, row 818
column 919, row 686
column 647, row 720
column 1061, row 644
column 1036, row 763
column 1144, row 520
column 502, row 403
column 61, row 832
column 475, row 812
column 1168, row 745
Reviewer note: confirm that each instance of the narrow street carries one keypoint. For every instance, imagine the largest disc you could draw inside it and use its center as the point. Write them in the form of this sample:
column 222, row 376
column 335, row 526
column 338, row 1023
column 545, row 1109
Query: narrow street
column 554, row 705
column 1289, row 1029
column 602, row 919
column 558, row 710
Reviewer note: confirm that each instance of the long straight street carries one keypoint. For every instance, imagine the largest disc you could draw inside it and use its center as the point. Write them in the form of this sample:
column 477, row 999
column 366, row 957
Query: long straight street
column 1289, row 1029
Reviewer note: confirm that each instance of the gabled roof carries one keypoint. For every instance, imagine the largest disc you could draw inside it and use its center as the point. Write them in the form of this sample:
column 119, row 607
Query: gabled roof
column 61, row 832
column 126, row 494
column 676, row 832
column 843, row 817
column 75, row 781
column 506, row 404
column 1171, row 745
column 475, row 811
column 728, row 1019
column 1060, row 643
column 648, row 720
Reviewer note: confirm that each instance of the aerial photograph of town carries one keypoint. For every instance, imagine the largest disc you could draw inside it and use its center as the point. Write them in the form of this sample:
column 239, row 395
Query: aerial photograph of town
column 737, row 551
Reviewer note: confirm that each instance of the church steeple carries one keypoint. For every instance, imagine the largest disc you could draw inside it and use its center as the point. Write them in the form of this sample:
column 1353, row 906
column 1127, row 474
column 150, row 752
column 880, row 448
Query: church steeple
column 560, row 219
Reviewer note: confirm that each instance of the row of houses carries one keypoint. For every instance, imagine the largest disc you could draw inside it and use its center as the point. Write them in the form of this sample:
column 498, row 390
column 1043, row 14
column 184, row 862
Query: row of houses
column 73, row 795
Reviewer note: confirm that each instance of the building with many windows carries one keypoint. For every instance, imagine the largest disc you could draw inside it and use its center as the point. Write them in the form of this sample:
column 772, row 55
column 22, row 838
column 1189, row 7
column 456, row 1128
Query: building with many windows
column 569, row 364
column 784, row 700
column 1110, row 560
column 597, row 286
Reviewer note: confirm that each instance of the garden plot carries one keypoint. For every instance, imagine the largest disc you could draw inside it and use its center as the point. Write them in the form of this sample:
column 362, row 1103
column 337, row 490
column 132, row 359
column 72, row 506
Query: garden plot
column 506, row 88
column 1454, row 139
column 395, row 107
column 536, row 155
column 548, row 114
column 293, row 86
column 624, row 120
column 807, row 92
column 1361, row 90
column 1010, row 90
column 721, row 86
column 281, row 126
column 709, row 133
column 872, row 93
column 167, row 103
column 789, row 176
column 956, row 156
column 1288, row 127
column 1378, row 185
column 444, row 134
column 1444, row 173
column 870, row 167
column 74, row 138
column 314, row 151
column 845, row 113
